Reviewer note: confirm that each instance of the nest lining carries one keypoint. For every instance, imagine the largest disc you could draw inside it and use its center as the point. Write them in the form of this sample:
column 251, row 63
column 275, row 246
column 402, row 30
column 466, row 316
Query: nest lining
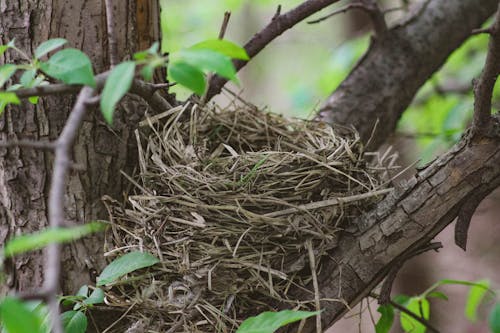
column 241, row 207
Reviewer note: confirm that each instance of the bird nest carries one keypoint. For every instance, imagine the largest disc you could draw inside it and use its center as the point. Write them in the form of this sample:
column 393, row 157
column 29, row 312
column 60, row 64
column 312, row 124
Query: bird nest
column 241, row 207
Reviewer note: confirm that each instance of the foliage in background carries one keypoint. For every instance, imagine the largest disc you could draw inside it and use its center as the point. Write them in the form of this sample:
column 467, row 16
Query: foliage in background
column 479, row 293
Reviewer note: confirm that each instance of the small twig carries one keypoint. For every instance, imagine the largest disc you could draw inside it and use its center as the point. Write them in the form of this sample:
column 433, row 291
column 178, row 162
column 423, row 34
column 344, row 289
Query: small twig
column 394, row 9
column 328, row 202
column 158, row 86
column 145, row 90
column 483, row 90
column 277, row 13
column 119, row 319
column 53, row 89
column 421, row 320
column 377, row 17
column 312, row 265
column 93, row 100
column 385, row 290
column 277, row 26
column 356, row 5
column 112, row 42
column 225, row 22
column 42, row 145
column 481, row 31
column 369, row 6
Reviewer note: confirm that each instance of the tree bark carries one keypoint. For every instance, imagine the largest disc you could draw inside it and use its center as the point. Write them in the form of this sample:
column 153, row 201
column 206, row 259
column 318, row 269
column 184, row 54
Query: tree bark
column 406, row 220
column 399, row 62
column 100, row 151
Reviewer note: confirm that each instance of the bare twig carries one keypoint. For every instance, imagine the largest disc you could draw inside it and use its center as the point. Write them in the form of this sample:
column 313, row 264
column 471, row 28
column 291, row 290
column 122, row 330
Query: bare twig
column 481, row 31
column 145, row 90
column 376, row 16
column 225, row 22
column 369, row 6
column 53, row 89
column 421, row 320
column 278, row 25
column 385, row 290
column 56, row 205
column 112, row 42
column 483, row 89
column 29, row 144
column 355, row 5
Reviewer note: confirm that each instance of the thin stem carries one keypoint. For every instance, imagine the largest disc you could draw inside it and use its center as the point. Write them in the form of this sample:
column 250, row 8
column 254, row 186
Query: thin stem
column 277, row 26
column 112, row 42
column 483, row 90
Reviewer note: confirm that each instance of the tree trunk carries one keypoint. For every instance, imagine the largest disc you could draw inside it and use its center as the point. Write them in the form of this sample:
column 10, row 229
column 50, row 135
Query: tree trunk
column 99, row 151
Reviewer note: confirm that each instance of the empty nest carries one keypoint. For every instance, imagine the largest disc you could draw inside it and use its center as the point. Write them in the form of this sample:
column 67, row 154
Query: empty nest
column 241, row 207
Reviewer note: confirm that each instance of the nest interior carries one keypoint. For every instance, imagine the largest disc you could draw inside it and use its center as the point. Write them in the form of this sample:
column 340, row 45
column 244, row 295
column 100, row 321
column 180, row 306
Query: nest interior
column 241, row 207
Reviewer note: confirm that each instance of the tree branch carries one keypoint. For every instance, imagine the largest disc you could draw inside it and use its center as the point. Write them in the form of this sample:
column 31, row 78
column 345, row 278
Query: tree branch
column 483, row 90
column 404, row 222
column 278, row 25
column 370, row 7
column 397, row 64
column 62, row 162
column 145, row 90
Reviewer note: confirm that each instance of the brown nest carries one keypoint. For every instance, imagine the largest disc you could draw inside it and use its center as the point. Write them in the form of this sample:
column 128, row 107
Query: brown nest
column 241, row 207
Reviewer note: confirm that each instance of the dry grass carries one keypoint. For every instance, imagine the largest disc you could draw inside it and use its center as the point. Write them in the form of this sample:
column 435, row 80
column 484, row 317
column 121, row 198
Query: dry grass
column 234, row 203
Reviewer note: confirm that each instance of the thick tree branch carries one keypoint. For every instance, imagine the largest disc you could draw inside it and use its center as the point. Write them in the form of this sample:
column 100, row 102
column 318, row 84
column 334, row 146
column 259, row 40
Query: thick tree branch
column 381, row 87
column 278, row 25
column 405, row 221
column 483, row 91
column 397, row 64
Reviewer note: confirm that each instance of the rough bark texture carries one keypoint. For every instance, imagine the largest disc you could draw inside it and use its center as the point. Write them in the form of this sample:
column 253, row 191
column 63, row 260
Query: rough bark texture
column 407, row 219
column 100, row 151
column 398, row 63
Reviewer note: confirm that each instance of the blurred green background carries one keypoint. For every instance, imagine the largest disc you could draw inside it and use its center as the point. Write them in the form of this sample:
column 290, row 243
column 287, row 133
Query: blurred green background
column 297, row 72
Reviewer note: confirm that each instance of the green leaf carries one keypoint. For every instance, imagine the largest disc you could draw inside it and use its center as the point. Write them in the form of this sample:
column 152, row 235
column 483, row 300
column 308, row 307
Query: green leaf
column 33, row 99
column 125, row 264
column 187, row 75
column 96, row 297
column 494, row 319
column 4, row 48
column 6, row 72
column 225, row 47
column 8, row 98
column 48, row 46
column 207, row 60
column 71, row 66
column 117, row 85
column 476, row 295
column 152, row 51
column 83, row 291
column 34, row 241
column 401, row 299
column 386, row 320
column 16, row 317
column 27, row 78
column 420, row 307
column 268, row 322
column 74, row 322
column 438, row 294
